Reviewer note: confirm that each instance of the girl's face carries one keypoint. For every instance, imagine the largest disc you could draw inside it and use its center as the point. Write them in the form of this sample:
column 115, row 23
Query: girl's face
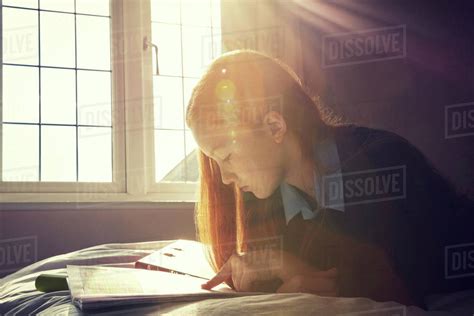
column 252, row 158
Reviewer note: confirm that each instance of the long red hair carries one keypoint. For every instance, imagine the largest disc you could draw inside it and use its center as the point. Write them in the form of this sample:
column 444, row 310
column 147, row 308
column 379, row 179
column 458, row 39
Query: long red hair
column 224, row 221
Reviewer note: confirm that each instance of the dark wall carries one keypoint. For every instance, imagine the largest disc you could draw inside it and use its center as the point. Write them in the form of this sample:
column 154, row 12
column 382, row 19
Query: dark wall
column 407, row 95
column 47, row 229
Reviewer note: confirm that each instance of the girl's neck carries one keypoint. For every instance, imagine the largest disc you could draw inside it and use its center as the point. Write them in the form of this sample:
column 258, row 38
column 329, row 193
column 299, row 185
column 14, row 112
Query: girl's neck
column 299, row 170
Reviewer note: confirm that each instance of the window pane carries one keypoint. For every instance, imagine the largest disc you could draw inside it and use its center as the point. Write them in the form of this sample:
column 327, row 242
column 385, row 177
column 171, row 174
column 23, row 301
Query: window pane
column 168, row 102
column 98, row 7
column 216, row 13
column 94, row 98
column 197, row 13
column 95, row 154
column 188, row 47
column 57, row 43
column 20, row 163
column 189, row 84
column 166, row 11
column 213, row 49
column 57, row 5
column 169, row 155
column 168, row 39
column 191, row 158
column 58, row 153
column 20, row 36
column 195, row 51
column 20, row 94
column 22, row 3
column 93, row 42
column 58, row 96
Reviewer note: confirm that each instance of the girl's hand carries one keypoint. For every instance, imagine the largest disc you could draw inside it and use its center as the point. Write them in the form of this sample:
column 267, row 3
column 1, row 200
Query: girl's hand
column 247, row 268
column 296, row 275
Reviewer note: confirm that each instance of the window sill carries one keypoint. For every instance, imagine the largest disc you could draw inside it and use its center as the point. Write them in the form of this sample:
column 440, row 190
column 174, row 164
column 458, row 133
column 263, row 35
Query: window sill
column 66, row 201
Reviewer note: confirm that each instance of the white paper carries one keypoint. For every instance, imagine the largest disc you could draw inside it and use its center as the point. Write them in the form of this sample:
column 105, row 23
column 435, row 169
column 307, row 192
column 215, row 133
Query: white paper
column 95, row 286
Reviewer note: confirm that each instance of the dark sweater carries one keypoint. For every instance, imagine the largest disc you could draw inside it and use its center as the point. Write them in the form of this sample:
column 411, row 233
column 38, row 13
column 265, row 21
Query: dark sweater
column 388, row 244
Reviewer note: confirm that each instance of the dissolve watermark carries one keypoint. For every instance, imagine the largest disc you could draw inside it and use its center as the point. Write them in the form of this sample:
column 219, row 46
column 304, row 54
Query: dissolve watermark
column 101, row 118
column 261, row 254
column 27, row 173
column 228, row 113
column 364, row 46
column 459, row 120
column 459, row 261
column 366, row 186
column 16, row 253
column 98, row 114
column 267, row 40
column 265, row 253
column 20, row 44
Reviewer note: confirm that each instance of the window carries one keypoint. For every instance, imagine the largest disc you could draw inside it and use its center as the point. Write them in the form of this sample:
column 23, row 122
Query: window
column 74, row 125
column 185, row 32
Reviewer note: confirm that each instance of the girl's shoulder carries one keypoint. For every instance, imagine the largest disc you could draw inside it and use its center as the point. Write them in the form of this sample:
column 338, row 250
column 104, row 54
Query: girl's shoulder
column 353, row 140
column 360, row 135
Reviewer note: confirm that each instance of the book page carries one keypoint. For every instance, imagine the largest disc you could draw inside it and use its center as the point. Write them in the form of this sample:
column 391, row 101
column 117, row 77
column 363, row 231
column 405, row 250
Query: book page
column 185, row 256
column 87, row 281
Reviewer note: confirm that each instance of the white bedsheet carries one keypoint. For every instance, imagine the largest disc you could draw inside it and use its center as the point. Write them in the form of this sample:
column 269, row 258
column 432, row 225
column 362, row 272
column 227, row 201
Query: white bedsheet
column 18, row 295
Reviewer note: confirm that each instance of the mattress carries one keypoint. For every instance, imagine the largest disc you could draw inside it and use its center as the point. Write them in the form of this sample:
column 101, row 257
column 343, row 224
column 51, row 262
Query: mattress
column 18, row 295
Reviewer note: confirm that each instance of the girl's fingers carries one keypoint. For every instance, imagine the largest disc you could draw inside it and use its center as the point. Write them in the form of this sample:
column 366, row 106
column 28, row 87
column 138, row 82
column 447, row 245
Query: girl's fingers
column 237, row 267
column 220, row 277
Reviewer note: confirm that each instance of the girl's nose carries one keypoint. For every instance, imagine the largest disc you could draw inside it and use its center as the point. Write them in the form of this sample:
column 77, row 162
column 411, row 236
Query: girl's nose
column 227, row 178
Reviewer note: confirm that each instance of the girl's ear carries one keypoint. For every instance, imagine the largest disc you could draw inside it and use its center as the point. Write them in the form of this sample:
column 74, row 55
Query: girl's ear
column 275, row 124
column 274, row 128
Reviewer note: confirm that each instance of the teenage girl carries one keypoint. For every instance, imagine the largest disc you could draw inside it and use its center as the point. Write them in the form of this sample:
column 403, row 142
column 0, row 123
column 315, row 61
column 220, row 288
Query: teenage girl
column 292, row 201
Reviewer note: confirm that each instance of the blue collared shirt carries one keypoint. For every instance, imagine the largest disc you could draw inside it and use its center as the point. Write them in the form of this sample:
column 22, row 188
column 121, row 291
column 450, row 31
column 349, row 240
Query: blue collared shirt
column 294, row 203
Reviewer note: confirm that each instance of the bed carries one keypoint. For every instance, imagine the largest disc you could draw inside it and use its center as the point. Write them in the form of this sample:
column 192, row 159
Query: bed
column 18, row 295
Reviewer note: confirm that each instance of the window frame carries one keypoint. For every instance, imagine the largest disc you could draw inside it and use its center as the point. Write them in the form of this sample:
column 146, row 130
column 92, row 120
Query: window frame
column 118, row 181
column 140, row 163
column 176, row 191
column 133, row 127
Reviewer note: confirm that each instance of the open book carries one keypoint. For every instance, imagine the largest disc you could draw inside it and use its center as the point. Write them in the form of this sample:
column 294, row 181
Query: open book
column 182, row 257
column 94, row 287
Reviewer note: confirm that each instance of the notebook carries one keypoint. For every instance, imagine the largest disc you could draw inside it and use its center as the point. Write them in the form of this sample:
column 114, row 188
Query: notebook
column 97, row 287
